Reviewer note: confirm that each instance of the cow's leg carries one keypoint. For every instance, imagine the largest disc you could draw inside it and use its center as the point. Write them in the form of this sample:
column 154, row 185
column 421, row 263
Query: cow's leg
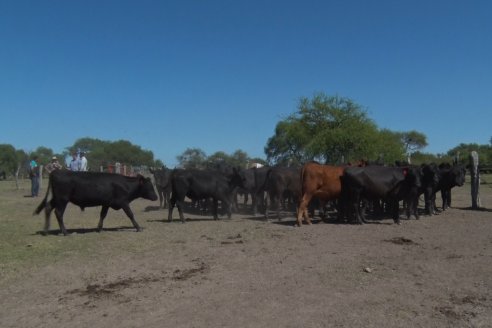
column 172, row 202
column 179, row 203
column 215, row 208
column 416, row 207
column 130, row 215
column 104, row 212
column 47, row 214
column 395, row 207
column 446, row 198
column 356, row 211
column 356, row 208
column 268, row 205
column 362, row 206
column 228, row 206
column 161, row 197
column 302, row 210
column 278, row 203
column 322, row 209
column 59, row 210
column 449, row 198
column 166, row 200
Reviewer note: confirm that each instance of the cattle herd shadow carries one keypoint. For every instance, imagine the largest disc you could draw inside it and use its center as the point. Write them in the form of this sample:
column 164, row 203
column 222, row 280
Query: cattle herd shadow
column 152, row 208
column 56, row 232
column 480, row 209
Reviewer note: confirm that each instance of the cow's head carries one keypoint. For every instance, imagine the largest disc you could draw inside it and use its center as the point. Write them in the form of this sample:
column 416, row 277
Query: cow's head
column 146, row 189
column 238, row 177
column 413, row 176
column 458, row 173
column 430, row 175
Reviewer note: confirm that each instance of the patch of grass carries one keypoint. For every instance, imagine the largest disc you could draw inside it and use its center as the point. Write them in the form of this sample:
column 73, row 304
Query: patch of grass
column 23, row 247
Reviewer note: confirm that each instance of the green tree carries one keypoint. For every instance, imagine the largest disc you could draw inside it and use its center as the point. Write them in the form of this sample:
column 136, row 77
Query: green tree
column 216, row 158
column 413, row 141
column 239, row 159
column 101, row 153
column 463, row 151
column 329, row 129
column 288, row 144
column 192, row 158
column 389, row 147
column 8, row 159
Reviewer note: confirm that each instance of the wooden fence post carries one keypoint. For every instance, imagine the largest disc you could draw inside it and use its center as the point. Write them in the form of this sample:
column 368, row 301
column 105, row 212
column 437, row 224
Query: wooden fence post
column 475, row 180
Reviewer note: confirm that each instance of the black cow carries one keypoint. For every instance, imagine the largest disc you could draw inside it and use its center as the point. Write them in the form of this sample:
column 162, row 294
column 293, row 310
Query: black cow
column 255, row 185
column 449, row 176
column 283, row 183
column 88, row 189
column 162, row 178
column 247, row 189
column 260, row 185
column 390, row 184
column 429, row 177
column 203, row 184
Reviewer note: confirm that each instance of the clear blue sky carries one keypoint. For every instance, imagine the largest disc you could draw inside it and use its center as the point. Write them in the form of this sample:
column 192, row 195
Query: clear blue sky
column 219, row 75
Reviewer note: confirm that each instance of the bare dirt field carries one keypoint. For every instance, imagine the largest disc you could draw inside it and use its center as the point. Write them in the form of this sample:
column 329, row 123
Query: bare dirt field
column 244, row 272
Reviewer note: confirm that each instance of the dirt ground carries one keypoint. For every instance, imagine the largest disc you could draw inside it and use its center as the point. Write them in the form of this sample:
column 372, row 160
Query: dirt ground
column 245, row 272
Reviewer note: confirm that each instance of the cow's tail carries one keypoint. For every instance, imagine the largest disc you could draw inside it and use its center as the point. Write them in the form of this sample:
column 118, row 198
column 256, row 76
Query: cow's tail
column 44, row 202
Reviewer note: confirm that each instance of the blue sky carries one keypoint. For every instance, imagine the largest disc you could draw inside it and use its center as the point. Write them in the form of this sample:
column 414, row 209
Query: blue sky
column 219, row 75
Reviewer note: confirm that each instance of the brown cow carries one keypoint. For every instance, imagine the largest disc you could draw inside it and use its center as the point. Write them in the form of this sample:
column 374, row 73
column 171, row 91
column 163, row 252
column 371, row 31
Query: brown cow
column 321, row 181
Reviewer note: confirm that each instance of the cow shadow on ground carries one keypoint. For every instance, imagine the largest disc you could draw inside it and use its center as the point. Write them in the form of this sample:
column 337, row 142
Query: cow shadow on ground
column 56, row 232
column 480, row 209
column 331, row 221
column 153, row 208
column 191, row 220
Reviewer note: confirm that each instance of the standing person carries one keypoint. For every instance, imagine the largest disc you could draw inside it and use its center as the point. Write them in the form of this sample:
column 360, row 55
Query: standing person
column 53, row 165
column 74, row 163
column 34, row 176
column 83, row 162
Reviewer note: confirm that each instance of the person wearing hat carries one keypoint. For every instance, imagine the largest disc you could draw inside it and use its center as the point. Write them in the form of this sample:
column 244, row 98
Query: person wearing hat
column 53, row 165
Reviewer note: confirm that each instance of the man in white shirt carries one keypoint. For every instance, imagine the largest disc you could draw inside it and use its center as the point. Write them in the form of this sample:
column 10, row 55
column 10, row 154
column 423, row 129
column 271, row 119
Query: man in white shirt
column 83, row 162
column 74, row 164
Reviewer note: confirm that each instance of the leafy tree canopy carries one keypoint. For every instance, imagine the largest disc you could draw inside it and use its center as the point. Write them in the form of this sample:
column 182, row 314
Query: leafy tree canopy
column 197, row 158
column 192, row 158
column 413, row 141
column 13, row 160
column 8, row 158
column 462, row 151
column 101, row 153
column 332, row 129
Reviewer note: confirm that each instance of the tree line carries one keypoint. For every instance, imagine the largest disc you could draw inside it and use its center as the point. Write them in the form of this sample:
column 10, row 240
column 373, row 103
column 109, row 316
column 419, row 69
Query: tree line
column 327, row 129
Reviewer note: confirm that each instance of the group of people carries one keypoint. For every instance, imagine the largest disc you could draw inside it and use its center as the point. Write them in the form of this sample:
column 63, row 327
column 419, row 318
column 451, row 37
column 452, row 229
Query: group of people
column 77, row 164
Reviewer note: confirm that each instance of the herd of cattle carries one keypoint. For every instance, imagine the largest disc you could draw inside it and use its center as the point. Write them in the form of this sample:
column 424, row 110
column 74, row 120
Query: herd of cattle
column 349, row 189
